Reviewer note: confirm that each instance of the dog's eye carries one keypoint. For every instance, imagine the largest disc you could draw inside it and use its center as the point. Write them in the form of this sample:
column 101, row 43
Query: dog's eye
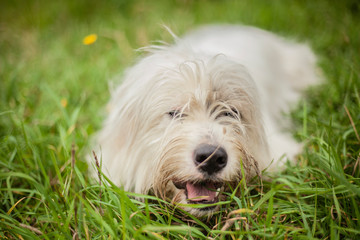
column 176, row 114
column 233, row 113
column 173, row 113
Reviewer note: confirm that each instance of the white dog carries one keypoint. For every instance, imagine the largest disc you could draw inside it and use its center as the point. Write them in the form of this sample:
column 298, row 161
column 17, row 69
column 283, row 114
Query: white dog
column 188, row 117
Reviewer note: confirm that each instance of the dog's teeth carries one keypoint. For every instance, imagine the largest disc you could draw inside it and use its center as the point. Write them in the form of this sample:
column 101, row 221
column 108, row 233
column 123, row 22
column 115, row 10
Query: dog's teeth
column 217, row 192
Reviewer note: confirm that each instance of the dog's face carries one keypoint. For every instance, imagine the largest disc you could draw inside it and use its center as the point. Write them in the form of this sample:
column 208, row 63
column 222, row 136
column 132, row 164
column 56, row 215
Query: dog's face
column 192, row 129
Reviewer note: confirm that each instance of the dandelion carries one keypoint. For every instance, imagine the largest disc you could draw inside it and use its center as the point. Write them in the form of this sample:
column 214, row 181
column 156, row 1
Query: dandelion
column 64, row 102
column 90, row 39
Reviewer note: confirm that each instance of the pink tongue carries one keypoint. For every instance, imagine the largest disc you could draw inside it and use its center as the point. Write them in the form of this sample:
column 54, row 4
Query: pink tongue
column 201, row 192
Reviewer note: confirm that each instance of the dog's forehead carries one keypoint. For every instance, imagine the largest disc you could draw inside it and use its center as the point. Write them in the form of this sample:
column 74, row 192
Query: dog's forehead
column 205, row 90
column 202, row 81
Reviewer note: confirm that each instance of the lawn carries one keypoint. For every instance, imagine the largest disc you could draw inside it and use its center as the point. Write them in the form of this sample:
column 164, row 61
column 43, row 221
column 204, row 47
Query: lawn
column 53, row 93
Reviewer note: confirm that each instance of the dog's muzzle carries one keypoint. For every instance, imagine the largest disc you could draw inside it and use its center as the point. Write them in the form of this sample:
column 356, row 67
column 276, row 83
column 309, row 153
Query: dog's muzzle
column 209, row 160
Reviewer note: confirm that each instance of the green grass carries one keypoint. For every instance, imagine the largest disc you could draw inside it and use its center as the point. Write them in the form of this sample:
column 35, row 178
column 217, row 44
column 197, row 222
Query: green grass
column 53, row 90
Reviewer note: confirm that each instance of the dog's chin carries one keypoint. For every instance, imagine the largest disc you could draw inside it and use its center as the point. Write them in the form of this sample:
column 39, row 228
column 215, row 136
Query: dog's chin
column 204, row 192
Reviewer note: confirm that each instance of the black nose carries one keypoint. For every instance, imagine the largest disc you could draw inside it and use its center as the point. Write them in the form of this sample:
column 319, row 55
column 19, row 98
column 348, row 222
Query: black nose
column 210, row 158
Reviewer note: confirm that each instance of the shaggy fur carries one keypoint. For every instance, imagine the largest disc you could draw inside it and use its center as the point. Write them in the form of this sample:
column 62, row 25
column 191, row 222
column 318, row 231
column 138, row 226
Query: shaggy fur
column 222, row 88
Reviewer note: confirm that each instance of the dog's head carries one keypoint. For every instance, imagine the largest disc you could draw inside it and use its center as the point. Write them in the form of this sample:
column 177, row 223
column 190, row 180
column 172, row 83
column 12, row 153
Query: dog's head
column 186, row 129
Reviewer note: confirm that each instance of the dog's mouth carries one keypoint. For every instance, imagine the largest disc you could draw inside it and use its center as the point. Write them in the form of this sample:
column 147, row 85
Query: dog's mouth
column 204, row 192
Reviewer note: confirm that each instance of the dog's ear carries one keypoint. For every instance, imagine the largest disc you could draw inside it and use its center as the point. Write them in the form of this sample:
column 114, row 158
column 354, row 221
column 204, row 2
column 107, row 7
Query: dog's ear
column 131, row 111
column 122, row 120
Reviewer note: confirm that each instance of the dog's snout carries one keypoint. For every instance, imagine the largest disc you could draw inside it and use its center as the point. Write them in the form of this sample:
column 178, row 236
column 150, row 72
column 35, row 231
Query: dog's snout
column 210, row 158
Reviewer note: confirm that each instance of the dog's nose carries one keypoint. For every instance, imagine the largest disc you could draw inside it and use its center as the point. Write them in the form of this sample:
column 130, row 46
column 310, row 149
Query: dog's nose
column 209, row 158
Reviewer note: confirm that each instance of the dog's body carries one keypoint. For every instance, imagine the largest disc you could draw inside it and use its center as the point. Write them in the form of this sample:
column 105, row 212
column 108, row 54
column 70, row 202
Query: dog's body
column 188, row 117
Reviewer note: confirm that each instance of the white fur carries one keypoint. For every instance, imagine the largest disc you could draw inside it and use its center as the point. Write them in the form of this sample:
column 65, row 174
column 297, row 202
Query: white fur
column 208, row 72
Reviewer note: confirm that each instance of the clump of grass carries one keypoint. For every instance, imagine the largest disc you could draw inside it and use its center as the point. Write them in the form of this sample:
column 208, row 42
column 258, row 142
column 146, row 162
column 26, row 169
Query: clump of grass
column 53, row 90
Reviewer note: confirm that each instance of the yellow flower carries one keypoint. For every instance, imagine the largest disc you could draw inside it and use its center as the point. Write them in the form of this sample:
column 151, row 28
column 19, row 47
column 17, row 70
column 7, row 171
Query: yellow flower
column 90, row 39
column 64, row 102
